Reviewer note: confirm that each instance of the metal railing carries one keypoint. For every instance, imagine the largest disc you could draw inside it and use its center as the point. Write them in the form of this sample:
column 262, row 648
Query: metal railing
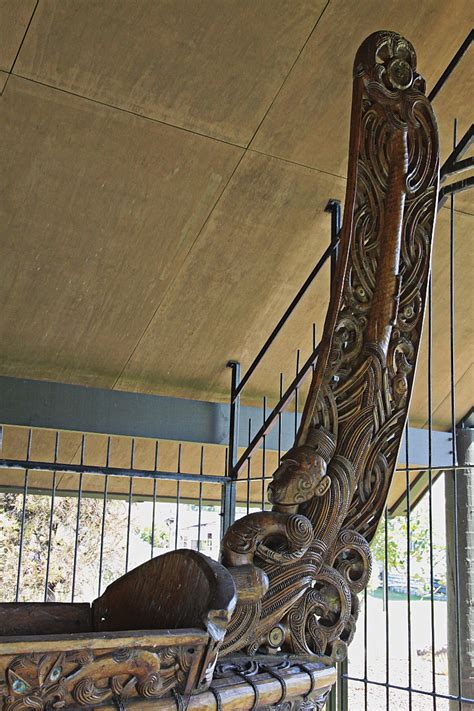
column 91, row 523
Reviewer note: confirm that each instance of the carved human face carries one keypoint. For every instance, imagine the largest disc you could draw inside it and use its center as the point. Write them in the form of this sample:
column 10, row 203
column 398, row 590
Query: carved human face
column 33, row 680
column 300, row 476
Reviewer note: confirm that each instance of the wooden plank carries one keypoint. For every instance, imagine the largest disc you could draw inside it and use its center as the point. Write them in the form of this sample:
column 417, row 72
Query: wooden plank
column 263, row 239
column 309, row 120
column 181, row 589
column 101, row 209
column 38, row 618
column 14, row 19
column 30, row 644
column 211, row 67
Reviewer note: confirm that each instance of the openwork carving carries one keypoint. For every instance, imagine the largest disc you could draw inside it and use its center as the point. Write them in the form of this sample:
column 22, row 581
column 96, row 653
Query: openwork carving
column 86, row 679
column 328, row 494
column 299, row 568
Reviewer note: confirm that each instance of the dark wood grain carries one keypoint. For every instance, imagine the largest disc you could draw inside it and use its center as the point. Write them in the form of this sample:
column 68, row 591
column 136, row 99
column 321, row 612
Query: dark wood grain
column 329, row 492
column 289, row 578
column 34, row 618
column 173, row 591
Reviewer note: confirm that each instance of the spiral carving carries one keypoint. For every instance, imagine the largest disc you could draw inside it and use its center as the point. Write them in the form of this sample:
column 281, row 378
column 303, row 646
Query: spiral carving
column 299, row 532
column 361, row 387
column 88, row 679
column 150, row 687
column 86, row 693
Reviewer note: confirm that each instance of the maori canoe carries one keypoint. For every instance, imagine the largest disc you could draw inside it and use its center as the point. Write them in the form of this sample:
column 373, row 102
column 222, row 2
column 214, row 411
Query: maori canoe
column 265, row 627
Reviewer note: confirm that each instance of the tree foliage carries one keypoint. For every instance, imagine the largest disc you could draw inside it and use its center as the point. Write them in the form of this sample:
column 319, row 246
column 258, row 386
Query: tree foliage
column 52, row 532
column 408, row 545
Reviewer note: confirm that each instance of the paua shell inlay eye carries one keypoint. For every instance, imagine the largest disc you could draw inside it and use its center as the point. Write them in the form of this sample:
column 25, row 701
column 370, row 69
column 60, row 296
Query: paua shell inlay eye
column 55, row 674
column 19, row 686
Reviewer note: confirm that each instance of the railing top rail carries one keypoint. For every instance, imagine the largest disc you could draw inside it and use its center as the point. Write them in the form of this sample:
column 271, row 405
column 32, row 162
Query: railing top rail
column 451, row 66
column 110, row 471
column 328, row 253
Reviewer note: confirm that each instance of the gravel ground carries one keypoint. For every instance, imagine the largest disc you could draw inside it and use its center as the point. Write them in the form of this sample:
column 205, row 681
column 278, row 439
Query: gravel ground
column 398, row 648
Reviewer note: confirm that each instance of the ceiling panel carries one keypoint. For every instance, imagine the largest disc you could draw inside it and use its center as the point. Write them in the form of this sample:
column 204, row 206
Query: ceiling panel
column 263, row 239
column 103, row 262
column 3, row 80
column 212, row 66
column 99, row 210
column 454, row 104
column 14, row 18
column 309, row 120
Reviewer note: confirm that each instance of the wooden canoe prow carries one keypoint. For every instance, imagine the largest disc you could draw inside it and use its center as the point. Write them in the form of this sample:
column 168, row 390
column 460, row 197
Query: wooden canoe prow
column 266, row 625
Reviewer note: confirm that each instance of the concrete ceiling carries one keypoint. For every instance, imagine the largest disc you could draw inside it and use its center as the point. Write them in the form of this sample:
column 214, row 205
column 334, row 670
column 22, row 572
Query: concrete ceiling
column 165, row 167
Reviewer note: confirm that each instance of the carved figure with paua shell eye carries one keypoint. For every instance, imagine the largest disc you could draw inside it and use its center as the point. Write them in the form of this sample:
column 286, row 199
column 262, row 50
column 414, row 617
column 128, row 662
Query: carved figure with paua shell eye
column 31, row 678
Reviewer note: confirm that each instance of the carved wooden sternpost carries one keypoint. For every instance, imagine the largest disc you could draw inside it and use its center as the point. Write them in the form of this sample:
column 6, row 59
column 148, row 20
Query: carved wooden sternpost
column 311, row 552
column 168, row 632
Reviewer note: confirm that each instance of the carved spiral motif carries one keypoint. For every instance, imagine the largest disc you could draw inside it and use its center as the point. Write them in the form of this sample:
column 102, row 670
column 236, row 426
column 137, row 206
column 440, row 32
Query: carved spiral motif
column 25, row 704
column 150, row 687
column 299, row 532
column 364, row 374
column 86, row 693
column 122, row 655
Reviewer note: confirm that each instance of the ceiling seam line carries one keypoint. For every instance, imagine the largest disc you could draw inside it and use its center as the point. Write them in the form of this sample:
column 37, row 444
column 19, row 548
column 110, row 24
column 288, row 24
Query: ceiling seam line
column 186, row 130
column 128, row 111
column 211, row 211
column 333, row 175
column 24, row 37
column 295, row 162
column 10, row 71
column 288, row 73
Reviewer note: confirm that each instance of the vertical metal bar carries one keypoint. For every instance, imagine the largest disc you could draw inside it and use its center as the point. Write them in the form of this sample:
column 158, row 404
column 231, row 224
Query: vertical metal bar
column 430, row 483
column 51, row 516
column 234, row 417
column 407, row 483
column 249, row 464
column 331, row 703
column 264, row 454
column 334, row 207
column 130, row 501
column 453, row 420
column 343, row 686
column 228, row 498
column 176, row 530
column 104, row 516
column 178, row 492
column 23, row 518
column 153, row 513
column 313, row 367
column 465, row 506
column 102, row 534
column 155, row 468
column 201, row 472
column 365, row 651
column 279, row 421
column 227, row 493
column 297, row 390
column 78, row 520
column 387, row 620
column 129, row 521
